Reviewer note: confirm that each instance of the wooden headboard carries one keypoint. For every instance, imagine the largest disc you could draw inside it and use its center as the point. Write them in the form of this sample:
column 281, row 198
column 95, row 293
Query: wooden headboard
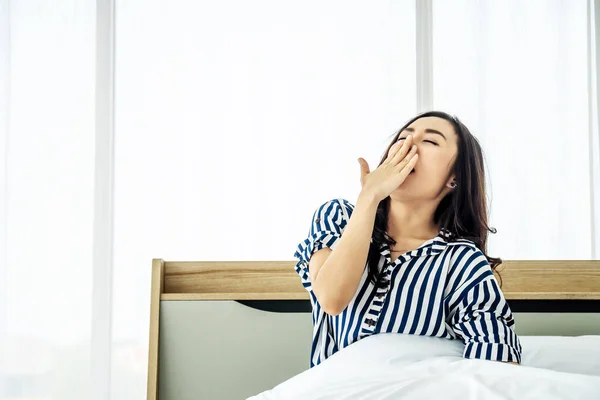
column 277, row 280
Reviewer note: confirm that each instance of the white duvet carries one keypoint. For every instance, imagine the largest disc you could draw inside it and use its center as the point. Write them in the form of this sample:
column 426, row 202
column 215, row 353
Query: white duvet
column 397, row 366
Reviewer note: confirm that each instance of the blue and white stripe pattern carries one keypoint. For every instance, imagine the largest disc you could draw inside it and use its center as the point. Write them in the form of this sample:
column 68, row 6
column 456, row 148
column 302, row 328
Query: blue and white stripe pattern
column 443, row 289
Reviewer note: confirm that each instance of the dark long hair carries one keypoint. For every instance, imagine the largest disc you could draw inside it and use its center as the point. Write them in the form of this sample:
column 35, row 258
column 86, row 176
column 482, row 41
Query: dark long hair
column 462, row 213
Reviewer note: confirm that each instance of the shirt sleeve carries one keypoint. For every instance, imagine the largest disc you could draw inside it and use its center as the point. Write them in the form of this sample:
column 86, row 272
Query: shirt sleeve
column 483, row 319
column 327, row 225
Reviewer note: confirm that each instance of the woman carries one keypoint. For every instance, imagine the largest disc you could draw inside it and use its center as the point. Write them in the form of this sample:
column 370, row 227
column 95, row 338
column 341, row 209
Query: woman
column 409, row 257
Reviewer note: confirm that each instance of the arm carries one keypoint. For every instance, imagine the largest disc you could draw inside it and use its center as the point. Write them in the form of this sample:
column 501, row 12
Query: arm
column 482, row 318
column 336, row 273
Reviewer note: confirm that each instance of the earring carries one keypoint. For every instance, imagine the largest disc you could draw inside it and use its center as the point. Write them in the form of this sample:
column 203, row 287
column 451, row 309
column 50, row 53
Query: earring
column 453, row 185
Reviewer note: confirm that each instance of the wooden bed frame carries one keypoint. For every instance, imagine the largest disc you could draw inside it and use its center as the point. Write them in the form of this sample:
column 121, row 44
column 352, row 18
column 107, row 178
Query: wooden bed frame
column 276, row 280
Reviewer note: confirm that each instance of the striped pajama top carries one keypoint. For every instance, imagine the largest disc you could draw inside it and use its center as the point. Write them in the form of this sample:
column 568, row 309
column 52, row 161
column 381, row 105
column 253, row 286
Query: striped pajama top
column 444, row 289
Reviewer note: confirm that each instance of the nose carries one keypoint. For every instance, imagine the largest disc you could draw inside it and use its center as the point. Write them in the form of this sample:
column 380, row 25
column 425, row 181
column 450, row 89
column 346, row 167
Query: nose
column 417, row 138
column 418, row 134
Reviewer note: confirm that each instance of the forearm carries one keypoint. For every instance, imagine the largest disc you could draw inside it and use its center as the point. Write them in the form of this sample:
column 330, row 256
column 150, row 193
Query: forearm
column 338, row 279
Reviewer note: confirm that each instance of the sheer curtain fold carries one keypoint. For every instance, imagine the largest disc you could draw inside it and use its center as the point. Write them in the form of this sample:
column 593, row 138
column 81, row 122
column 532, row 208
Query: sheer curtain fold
column 4, row 113
column 48, row 197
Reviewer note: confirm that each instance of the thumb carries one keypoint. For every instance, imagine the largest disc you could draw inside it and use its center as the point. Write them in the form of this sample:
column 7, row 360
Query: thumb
column 364, row 167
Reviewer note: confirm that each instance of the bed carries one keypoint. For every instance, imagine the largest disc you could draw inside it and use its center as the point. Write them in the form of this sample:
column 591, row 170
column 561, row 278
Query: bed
column 242, row 330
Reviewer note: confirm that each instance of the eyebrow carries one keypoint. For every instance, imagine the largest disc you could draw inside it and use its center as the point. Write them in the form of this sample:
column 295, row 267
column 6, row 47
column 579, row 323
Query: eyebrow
column 428, row 131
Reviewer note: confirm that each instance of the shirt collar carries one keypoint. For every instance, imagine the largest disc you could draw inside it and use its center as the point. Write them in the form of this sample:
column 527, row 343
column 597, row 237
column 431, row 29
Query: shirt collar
column 431, row 247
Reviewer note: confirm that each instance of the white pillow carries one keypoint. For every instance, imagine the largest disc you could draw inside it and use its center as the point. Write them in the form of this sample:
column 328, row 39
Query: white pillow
column 575, row 354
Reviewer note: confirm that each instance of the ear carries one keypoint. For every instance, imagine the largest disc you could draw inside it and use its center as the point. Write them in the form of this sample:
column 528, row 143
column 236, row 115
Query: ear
column 452, row 182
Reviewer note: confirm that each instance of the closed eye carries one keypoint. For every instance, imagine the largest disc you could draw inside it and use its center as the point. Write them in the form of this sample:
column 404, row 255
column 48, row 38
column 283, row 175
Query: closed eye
column 434, row 143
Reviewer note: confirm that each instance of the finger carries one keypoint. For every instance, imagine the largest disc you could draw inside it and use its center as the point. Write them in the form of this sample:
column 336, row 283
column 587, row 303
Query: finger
column 364, row 167
column 397, row 147
column 403, row 173
column 400, row 146
column 391, row 152
column 403, row 153
column 406, row 166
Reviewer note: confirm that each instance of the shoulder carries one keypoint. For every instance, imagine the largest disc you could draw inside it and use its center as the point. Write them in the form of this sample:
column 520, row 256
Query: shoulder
column 340, row 202
column 328, row 223
column 465, row 252
column 468, row 264
column 463, row 244
column 337, row 208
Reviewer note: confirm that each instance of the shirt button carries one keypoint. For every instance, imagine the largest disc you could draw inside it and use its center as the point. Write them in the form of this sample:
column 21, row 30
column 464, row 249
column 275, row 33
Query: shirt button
column 384, row 283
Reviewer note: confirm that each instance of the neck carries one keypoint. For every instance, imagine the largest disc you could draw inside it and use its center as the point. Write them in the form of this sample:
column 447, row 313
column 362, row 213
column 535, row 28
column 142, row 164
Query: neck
column 408, row 221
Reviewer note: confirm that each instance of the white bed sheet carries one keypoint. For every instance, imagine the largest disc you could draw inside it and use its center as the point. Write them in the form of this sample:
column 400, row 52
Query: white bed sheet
column 397, row 366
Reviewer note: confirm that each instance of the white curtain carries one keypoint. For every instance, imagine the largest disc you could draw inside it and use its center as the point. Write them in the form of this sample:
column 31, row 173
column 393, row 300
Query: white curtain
column 516, row 73
column 233, row 121
column 48, row 152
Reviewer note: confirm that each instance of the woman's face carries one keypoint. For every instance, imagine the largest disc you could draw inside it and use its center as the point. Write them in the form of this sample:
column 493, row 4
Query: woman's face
column 437, row 146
